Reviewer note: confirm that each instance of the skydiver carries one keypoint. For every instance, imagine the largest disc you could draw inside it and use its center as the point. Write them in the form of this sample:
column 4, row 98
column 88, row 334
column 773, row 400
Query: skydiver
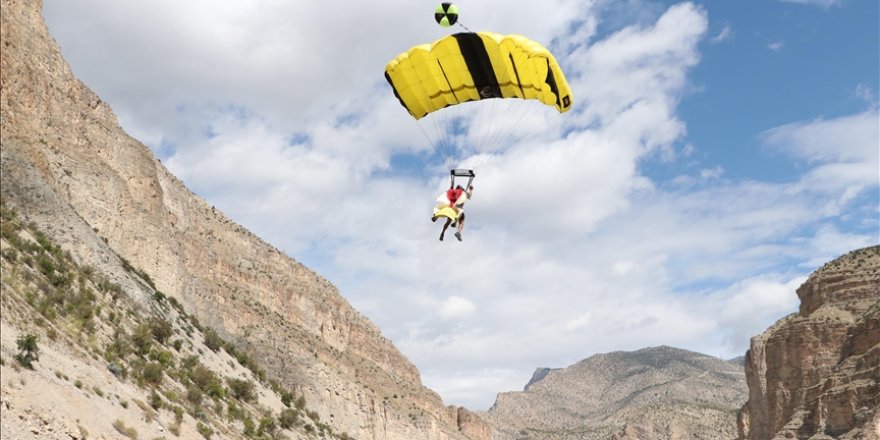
column 458, row 197
column 447, row 199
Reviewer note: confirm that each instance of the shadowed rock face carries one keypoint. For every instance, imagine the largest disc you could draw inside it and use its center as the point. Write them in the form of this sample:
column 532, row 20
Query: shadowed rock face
column 68, row 167
column 815, row 374
column 655, row 393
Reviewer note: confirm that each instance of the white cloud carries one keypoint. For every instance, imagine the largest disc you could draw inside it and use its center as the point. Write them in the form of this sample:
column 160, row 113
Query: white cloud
column 725, row 34
column 867, row 94
column 845, row 150
column 750, row 304
column 456, row 307
column 776, row 46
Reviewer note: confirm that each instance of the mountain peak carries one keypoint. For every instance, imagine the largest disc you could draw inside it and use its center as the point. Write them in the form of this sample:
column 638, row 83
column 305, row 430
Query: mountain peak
column 603, row 394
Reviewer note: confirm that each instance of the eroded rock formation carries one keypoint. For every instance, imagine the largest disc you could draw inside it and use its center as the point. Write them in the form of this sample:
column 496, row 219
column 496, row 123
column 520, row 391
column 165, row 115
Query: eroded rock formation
column 816, row 374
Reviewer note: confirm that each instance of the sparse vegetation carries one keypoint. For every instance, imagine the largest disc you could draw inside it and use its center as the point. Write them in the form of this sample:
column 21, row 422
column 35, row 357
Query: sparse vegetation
column 204, row 430
column 242, row 389
column 127, row 431
column 153, row 347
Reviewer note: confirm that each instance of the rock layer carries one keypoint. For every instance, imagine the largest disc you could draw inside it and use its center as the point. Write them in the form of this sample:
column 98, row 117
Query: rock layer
column 816, row 374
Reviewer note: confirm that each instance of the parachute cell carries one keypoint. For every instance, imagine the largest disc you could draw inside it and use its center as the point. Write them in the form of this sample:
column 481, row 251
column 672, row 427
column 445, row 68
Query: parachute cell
column 471, row 66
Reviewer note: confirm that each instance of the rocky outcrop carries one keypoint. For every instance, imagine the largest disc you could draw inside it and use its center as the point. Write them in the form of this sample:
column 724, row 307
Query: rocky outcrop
column 68, row 167
column 816, row 374
column 655, row 393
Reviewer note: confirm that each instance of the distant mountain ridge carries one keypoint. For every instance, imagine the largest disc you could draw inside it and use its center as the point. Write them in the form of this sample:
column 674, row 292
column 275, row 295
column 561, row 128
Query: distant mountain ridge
column 539, row 375
column 653, row 393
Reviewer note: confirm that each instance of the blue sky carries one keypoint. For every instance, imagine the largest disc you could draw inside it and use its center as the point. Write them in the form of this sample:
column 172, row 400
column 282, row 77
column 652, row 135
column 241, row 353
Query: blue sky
column 717, row 153
column 780, row 62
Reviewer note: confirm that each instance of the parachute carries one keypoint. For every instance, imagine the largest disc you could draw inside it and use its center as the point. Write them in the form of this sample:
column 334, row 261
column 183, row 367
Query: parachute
column 434, row 79
column 472, row 66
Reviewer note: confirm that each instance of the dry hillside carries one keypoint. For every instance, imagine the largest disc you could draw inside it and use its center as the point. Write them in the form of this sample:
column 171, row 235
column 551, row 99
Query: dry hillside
column 80, row 359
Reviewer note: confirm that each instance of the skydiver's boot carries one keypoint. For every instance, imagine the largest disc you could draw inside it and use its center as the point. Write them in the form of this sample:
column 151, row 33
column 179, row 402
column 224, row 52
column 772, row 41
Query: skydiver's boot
column 458, row 236
column 441, row 236
column 433, row 218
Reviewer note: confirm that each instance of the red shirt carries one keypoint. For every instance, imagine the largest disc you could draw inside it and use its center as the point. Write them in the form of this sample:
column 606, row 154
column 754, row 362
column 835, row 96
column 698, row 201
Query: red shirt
column 453, row 195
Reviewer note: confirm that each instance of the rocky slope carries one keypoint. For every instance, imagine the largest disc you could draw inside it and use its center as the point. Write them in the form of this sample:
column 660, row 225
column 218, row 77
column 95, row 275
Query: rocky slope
column 70, row 169
column 80, row 358
column 816, row 374
column 655, row 393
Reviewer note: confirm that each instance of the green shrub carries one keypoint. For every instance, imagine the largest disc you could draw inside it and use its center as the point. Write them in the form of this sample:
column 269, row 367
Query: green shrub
column 213, row 340
column 267, row 426
column 161, row 329
column 300, row 403
column 117, row 369
column 119, row 347
column 156, row 400
column 287, row 398
column 242, row 389
column 204, row 430
column 194, row 395
column 288, row 418
column 142, row 339
column 163, row 357
column 28, row 351
column 178, row 413
column 206, row 381
column 249, row 427
column 125, row 430
column 152, row 373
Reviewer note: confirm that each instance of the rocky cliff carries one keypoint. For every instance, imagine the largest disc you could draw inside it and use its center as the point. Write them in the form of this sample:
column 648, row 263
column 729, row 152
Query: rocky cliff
column 655, row 393
column 70, row 169
column 816, row 374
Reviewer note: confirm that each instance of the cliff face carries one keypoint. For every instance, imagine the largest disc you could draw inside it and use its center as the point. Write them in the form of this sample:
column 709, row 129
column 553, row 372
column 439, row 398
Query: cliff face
column 816, row 374
column 68, row 167
column 651, row 394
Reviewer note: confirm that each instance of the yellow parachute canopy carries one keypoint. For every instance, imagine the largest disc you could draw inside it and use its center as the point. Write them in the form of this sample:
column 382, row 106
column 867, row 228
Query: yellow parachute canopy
column 471, row 66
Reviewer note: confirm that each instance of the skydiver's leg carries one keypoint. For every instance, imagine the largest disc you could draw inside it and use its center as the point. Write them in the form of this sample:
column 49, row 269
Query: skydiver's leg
column 448, row 222
column 460, row 226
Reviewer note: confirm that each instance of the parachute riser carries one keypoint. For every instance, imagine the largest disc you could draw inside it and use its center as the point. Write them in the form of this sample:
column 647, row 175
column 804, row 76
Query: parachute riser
column 458, row 172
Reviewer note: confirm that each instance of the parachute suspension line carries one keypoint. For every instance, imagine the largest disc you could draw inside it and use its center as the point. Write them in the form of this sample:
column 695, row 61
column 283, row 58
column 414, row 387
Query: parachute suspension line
column 435, row 151
column 524, row 120
column 465, row 27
